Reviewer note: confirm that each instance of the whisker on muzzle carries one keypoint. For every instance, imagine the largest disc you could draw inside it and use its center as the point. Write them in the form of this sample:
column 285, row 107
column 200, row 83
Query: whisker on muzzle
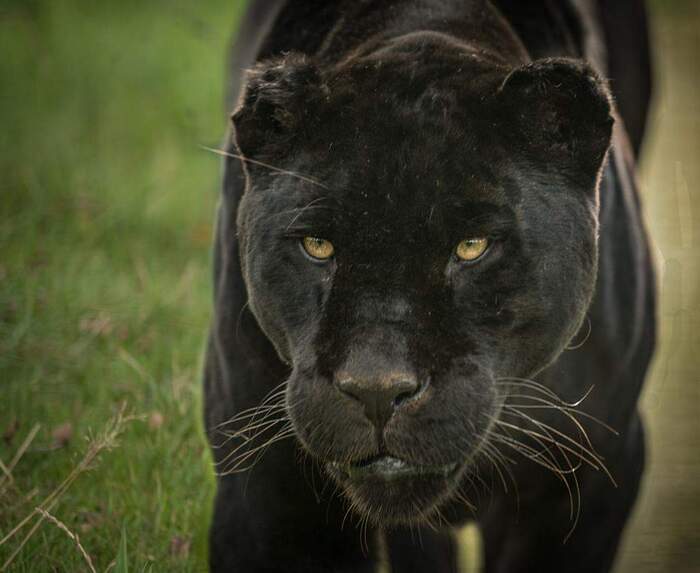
column 517, row 429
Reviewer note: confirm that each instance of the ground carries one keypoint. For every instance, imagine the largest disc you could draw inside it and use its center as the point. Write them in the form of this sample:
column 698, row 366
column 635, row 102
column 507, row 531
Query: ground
column 105, row 226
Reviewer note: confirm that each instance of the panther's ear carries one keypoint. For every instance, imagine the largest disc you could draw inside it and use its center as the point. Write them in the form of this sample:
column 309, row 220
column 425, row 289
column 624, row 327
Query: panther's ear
column 559, row 109
column 276, row 107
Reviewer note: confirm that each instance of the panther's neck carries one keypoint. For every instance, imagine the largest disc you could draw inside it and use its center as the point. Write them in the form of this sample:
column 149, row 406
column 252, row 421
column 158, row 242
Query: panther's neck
column 326, row 31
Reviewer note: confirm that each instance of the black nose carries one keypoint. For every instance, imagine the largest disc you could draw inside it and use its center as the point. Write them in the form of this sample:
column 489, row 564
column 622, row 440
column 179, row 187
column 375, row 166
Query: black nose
column 380, row 396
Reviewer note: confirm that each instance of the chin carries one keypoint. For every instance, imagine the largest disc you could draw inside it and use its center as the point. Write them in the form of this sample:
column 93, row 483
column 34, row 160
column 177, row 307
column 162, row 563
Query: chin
column 393, row 492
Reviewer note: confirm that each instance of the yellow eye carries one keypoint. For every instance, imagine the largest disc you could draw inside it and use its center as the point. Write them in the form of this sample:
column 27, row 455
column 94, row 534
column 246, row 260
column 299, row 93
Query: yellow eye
column 318, row 248
column 472, row 249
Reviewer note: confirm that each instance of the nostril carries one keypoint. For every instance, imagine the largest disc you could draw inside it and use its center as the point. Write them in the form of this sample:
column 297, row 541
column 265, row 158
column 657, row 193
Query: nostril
column 403, row 389
column 403, row 396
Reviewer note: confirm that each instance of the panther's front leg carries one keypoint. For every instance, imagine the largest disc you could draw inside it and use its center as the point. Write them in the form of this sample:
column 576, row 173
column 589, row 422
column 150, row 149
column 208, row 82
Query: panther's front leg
column 272, row 522
column 422, row 550
column 534, row 538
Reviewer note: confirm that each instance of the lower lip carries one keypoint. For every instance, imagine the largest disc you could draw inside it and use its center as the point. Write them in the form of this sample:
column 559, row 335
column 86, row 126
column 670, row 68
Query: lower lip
column 390, row 468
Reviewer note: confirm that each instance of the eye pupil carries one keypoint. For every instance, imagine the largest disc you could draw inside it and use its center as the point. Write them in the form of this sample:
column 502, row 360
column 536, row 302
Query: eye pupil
column 318, row 248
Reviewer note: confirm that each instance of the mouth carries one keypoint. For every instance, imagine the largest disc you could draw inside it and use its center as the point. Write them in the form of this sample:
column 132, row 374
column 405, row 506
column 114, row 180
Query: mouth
column 393, row 491
column 389, row 468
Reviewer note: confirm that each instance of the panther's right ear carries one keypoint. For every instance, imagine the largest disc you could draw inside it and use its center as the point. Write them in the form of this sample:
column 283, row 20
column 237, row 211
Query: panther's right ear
column 278, row 106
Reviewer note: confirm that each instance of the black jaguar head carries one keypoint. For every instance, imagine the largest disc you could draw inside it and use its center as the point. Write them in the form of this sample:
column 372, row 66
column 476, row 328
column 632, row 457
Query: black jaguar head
column 429, row 228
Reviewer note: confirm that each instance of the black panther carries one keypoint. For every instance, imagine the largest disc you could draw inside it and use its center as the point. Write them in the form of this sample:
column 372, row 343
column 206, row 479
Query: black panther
column 434, row 299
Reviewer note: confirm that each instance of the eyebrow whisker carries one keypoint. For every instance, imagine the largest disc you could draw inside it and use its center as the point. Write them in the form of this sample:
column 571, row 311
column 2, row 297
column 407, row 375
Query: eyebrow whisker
column 306, row 178
column 301, row 211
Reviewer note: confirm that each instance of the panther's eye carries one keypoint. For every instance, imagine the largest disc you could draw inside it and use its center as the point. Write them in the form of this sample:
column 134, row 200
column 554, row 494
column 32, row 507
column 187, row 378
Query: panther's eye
column 318, row 248
column 472, row 249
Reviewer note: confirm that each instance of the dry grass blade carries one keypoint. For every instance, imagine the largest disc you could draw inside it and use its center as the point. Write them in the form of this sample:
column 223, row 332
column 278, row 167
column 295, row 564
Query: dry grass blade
column 104, row 441
column 6, row 471
column 62, row 526
column 18, row 456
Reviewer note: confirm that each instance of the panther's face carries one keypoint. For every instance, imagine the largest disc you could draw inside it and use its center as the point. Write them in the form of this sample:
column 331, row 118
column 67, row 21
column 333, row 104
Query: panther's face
column 432, row 235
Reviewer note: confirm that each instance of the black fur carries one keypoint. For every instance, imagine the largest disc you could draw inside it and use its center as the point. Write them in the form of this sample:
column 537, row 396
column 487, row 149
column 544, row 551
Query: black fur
column 395, row 130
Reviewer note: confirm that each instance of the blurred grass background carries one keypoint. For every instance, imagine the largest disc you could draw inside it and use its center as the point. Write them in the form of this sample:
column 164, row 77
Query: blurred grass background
column 106, row 211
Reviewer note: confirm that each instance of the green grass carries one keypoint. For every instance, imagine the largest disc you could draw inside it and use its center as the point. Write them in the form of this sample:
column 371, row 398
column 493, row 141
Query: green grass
column 106, row 204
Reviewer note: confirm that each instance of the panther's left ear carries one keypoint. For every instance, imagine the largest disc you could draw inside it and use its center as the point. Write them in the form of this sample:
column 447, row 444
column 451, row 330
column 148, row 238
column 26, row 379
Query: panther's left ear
column 558, row 109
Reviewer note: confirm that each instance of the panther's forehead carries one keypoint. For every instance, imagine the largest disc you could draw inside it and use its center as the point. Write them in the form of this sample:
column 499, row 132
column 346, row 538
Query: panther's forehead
column 390, row 200
column 396, row 151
